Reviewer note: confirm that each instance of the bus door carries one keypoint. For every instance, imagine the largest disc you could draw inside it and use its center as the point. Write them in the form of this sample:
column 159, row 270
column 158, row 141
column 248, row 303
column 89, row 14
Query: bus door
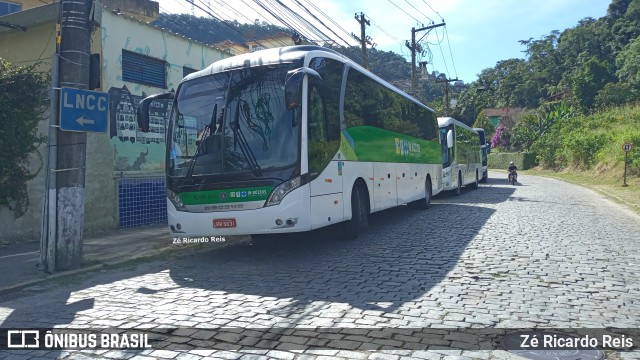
column 323, row 142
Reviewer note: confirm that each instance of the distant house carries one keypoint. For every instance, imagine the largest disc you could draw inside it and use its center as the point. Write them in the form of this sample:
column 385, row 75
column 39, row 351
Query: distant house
column 268, row 42
column 496, row 115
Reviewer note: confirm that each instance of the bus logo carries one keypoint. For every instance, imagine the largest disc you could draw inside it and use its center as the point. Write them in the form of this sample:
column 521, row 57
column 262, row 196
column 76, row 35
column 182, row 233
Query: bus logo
column 223, row 196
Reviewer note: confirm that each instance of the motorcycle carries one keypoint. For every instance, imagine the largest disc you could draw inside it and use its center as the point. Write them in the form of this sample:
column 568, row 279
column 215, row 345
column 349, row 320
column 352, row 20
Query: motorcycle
column 513, row 177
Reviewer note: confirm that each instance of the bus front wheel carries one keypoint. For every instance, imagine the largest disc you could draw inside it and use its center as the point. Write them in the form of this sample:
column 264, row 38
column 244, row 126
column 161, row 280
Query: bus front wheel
column 359, row 214
column 425, row 202
column 475, row 184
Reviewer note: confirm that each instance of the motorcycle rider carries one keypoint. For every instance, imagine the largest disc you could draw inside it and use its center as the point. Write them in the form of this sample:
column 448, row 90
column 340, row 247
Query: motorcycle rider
column 513, row 168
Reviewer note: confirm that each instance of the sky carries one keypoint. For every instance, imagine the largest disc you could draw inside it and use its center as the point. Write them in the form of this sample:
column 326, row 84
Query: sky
column 478, row 33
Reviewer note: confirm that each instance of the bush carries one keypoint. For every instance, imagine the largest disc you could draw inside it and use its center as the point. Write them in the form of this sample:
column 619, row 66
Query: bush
column 582, row 146
column 23, row 99
column 501, row 160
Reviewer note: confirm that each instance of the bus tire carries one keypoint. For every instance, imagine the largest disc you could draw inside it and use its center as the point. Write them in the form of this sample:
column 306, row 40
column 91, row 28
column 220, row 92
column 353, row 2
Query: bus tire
column 359, row 214
column 475, row 184
column 424, row 203
column 459, row 188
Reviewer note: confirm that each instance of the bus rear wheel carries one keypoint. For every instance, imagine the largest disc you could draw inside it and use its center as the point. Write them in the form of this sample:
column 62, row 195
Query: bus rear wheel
column 359, row 214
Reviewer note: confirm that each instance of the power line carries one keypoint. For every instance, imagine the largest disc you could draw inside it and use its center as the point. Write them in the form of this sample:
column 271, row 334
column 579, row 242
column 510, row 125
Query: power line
column 441, row 18
column 450, row 52
column 401, row 9
column 299, row 20
column 320, row 21
column 407, row 1
column 442, row 52
column 326, row 16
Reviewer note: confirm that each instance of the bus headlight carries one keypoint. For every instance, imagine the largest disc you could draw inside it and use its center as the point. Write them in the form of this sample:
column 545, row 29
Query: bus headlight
column 282, row 190
column 176, row 200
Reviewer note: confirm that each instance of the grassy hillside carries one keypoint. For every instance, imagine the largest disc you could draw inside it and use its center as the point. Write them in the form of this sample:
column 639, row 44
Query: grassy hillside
column 587, row 150
column 593, row 142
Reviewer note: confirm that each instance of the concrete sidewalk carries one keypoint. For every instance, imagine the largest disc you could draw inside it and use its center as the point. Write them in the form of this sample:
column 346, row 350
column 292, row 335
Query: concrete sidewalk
column 19, row 262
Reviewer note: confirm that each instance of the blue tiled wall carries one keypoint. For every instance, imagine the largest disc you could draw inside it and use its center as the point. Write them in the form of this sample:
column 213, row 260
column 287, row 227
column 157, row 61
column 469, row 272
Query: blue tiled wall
column 142, row 202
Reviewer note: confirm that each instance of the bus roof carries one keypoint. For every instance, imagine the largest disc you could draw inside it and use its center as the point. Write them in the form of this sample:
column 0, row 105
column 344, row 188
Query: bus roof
column 263, row 57
column 446, row 121
column 286, row 55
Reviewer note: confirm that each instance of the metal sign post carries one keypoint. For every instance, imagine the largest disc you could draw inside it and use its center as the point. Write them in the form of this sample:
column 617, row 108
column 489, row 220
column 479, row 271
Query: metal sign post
column 626, row 148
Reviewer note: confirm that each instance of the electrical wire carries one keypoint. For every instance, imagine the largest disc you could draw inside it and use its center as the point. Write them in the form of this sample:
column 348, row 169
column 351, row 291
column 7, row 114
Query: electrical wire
column 320, row 21
column 450, row 52
column 407, row 1
column 401, row 9
column 433, row 10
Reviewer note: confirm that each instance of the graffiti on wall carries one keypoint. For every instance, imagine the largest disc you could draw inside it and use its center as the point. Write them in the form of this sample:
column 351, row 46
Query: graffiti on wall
column 134, row 150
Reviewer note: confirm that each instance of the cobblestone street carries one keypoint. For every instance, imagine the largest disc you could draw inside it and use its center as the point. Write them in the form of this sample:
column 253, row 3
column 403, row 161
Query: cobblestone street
column 542, row 254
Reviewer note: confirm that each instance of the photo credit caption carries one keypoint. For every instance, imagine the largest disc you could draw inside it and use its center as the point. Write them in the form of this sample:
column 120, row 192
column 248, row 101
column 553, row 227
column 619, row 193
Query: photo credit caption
column 198, row 239
column 558, row 342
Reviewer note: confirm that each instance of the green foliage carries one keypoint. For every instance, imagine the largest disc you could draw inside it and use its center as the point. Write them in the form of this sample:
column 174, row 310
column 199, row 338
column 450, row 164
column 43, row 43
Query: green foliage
column 483, row 122
column 23, row 99
column 631, row 136
column 589, row 79
column 590, row 141
column 522, row 160
column 628, row 63
column 525, row 132
column 614, row 94
column 581, row 146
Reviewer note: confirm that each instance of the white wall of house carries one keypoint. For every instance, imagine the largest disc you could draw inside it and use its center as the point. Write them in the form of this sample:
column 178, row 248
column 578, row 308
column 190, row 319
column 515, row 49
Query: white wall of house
column 108, row 158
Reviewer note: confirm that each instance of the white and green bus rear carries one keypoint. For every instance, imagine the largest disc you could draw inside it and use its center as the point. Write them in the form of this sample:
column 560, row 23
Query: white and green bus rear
column 461, row 155
column 293, row 139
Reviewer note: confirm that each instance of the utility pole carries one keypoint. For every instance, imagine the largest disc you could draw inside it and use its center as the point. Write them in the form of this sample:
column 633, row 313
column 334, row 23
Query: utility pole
column 446, row 93
column 363, row 39
column 69, row 171
column 416, row 47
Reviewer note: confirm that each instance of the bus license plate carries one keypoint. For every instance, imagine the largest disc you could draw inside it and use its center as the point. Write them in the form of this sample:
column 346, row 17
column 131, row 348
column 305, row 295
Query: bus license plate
column 224, row 223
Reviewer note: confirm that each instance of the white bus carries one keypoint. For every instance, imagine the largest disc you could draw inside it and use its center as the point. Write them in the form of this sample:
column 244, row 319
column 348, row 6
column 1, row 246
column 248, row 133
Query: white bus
column 461, row 155
column 485, row 148
column 293, row 139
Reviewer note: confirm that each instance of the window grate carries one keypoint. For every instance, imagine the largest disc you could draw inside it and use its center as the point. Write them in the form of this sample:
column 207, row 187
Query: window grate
column 143, row 69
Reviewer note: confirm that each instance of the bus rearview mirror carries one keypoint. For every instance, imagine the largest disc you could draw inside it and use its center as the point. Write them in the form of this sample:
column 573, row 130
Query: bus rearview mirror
column 450, row 139
column 293, row 86
column 142, row 113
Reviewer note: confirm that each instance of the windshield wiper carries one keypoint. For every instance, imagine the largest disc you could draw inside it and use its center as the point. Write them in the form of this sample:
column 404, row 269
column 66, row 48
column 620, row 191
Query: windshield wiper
column 239, row 138
column 206, row 129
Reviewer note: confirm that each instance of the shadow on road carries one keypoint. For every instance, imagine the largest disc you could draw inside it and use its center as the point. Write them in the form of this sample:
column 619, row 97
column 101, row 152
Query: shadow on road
column 402, row 256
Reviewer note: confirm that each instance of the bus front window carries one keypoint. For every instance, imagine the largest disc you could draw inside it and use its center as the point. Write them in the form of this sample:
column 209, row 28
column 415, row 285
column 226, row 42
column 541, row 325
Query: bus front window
column 235, row 122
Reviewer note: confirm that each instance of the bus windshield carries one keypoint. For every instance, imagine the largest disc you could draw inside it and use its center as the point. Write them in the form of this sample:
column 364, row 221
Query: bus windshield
column 233, row 122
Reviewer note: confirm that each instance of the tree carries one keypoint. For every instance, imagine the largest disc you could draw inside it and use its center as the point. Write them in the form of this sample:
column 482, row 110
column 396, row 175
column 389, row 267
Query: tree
column 483, row 122
column 613, row 94
column 23, row 94
column 628, row 63
column 589, row 79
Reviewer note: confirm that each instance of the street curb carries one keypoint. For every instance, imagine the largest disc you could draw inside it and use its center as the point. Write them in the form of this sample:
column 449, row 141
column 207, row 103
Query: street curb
column 24, row 284
column 634, row 207
column 191, row 248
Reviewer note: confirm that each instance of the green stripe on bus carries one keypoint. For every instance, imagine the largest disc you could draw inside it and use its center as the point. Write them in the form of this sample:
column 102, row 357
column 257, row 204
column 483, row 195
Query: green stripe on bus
column 367, row 143
column 226, row 195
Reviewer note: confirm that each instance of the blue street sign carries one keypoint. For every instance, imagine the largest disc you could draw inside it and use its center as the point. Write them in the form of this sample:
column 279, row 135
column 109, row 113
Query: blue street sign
column 83, row 110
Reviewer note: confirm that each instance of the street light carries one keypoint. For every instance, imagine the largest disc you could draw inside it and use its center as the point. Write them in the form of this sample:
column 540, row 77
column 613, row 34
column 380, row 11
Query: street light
column 479, row 88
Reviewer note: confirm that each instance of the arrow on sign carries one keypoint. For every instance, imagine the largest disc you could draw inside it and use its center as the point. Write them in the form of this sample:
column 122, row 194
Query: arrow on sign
column 81, row 120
